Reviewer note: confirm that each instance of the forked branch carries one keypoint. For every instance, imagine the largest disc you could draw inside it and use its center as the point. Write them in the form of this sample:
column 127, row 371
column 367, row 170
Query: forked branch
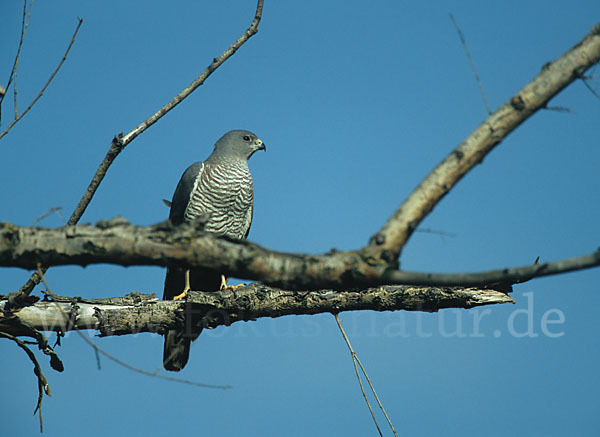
column 41, row 93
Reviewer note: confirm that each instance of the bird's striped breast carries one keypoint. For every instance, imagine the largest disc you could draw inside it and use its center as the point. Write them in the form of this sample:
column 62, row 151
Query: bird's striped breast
column 224, row 192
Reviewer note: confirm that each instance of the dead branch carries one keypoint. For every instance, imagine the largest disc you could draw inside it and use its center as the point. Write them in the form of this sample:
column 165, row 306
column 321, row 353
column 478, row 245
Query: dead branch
column 138, row 312
column 154, row 374
column 24, row 29
column 41, row 93
column 13, row 70
column 512, row 275
column 43, row 386
column 53, row 210
column 355, row 361
column 119, row 242
column 472, row 62
column 387, row 244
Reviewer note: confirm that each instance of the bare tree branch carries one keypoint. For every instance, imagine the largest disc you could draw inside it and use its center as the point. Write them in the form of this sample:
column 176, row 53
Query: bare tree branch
column 53, row 210
column 119, row 242
column 164, row 244
column 216, row 63
column 24, row 29
column 387, row 244
column 589, row 87
column 13, row 70
column 137, row 312
column 128, row 366
column 43, row 386
column 356, row 360
column 121, row 141
column 513, row 275
column 41, row 93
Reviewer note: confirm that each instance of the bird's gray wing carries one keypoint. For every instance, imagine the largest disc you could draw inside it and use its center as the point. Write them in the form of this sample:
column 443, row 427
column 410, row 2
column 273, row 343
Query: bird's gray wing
column 177, row 342
column 225, row 192
column 183, row 192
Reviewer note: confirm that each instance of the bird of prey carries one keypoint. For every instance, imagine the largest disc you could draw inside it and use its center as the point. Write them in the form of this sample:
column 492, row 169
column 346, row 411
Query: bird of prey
column 220, row 188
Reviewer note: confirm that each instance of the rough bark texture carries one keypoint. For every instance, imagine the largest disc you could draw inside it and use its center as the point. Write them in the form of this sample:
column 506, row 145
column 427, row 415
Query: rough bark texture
column 118, row 242
column 138, row 312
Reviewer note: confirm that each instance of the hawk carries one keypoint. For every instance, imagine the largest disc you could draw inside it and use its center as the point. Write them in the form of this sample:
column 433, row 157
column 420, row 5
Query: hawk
column 221, row 189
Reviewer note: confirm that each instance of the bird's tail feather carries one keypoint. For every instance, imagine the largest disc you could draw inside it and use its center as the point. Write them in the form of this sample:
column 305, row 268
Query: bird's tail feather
column 177, row 342
column 176, row 351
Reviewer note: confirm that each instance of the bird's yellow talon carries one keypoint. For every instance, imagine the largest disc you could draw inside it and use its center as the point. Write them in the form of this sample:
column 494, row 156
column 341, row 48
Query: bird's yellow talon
column 182, row 295
column 186, row 288
column 224, row 285
column 234, row 287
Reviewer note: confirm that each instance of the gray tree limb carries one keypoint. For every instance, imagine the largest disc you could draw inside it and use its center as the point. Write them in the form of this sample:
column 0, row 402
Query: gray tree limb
column 119, row 242
column 138, row 312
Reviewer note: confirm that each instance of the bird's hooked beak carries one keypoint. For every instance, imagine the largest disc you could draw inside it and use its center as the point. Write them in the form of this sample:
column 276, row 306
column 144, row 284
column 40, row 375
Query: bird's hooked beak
column 259, row 145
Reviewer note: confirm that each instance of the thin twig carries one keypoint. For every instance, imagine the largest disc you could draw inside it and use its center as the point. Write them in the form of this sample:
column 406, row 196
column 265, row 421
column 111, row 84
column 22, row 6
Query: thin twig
column 464, row 44
column 97, row 354
column 436, row 231
column 355, row 360
column 12, row 70
column 146, row 372
column 16, row 64
column 216, row 63
column 375, row 394
column 43, row 386
column 55, row 209
column 41, row 93
column 563, row 109
column 362, row 389
column 17, row 59
column 48, row 292
column 588, row 86
column 513, row 275
column 120, row 142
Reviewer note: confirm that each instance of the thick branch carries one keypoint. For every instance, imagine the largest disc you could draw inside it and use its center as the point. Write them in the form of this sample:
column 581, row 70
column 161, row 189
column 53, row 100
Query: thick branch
column 389, row 241
column 119, row 242
column 144, row 313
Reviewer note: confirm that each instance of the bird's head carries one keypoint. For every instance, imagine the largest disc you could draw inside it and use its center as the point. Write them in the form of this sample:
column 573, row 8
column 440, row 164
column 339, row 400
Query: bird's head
column 238, row 144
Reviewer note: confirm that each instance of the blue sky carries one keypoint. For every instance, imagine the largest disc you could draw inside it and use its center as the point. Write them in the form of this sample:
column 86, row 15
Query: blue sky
column 356, row 102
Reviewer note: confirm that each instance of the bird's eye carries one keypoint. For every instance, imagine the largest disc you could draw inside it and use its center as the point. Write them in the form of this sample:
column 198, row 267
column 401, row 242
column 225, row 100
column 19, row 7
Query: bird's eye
column 246, row 138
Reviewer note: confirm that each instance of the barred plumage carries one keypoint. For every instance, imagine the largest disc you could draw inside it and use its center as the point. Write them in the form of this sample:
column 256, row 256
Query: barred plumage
column 224, row 192
column 220, row 187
